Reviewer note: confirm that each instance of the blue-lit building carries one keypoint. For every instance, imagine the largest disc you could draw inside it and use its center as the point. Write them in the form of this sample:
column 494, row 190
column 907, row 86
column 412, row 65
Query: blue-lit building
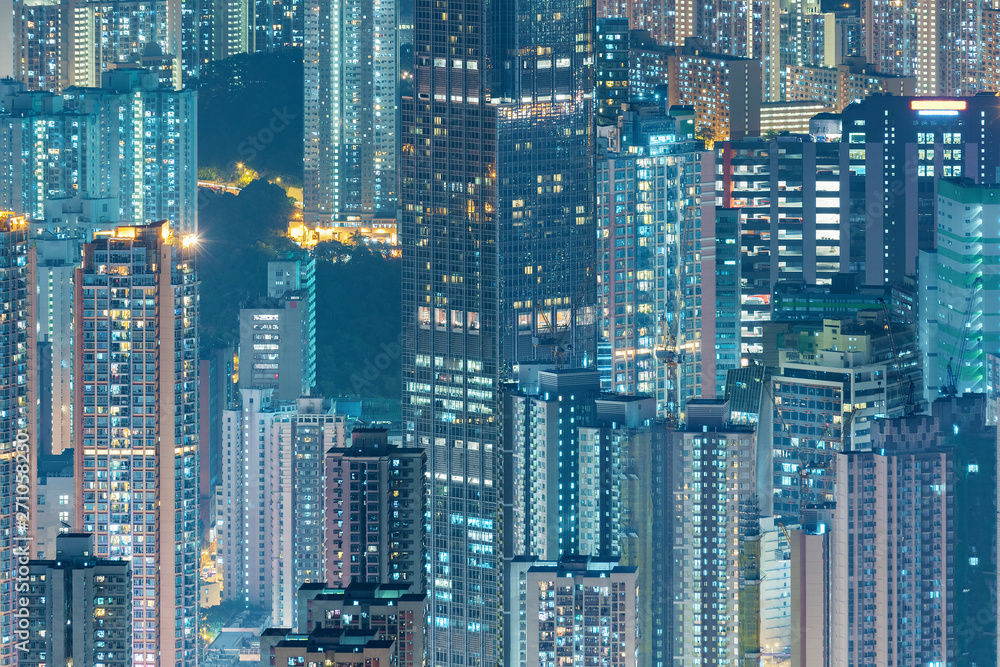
column 589, row 474
column 17, row 404
column 544, row 439
column 656, row 209
column 897, row 150
column 498, row 239
column 351, row 116
column 612, row 67
column 130, row 140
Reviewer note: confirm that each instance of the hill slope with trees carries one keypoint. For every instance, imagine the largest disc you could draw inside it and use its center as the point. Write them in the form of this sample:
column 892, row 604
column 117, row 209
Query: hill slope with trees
column 358, row 319
column 250, row 112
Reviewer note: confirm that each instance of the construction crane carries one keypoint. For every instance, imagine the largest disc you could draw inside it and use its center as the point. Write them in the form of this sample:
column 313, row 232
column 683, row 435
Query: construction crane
column 909, row 405
column 667, row 353
column 951, row 388
column 558, row 348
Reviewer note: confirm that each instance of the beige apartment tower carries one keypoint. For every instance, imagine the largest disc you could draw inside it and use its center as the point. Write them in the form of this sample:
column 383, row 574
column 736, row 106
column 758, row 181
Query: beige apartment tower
column 136, row 430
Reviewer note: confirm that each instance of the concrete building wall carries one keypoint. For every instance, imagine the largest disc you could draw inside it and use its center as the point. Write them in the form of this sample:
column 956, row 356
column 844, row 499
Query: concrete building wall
column 709, row 506
column 272, row 516
column 375, row 499
column 893, row 532
column 810, row 578
column 57, row 514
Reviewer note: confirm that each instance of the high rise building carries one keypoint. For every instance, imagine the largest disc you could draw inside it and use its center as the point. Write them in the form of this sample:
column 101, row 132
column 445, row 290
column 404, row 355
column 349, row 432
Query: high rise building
column 928, row 139
column 804, row 83
column 817, row 586
column 493, row 235
column 547, row 245
column 79, row 608
column 546, row 148
column 724, row 90
column 612, row 75
column 645, row 527
column 351, row 119
column 726, row 276
column 297, row 273
column 396, row 611
column 589, row 474
column 63, row 43
column 57, row 259
column 634, row 15
column 612, row 505
column 655, row 213
column 857, row 80
column 217, row 371
column 375, row 500
column 233, row 28
column 136, row 424
column 87, row 144
column 734, row 28
column 893, row 524
column 936, row 41
column 277, row 24
column 890, row 185
column 850, row 81
column 47, row 53
column 730, row 27
column 58, row 244
column 775, row 631
column 710, row 537
column 971, row 443
column 989, row 36
column 832, row 381
column 278, row 332
column 957, row 326
column 18, row 447
column 545, row 466
column 803, row 226
column 811, row 35
column 601, row 629
column 795, row 235
column 270, row 522
column 648, row 67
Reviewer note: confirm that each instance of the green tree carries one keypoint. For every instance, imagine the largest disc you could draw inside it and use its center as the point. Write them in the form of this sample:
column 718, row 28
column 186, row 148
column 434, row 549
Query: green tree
column 250, row 111
column 238, row 235
column 358, row 301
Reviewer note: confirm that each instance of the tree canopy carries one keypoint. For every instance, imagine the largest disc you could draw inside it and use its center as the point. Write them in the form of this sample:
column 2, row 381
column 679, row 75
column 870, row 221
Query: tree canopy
column 250, row 112
column 358, row 319
column 358, row 325
column 238, row 235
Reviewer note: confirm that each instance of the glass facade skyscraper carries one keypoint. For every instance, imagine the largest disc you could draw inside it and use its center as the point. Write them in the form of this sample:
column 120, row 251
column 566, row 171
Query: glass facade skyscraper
column 448, row 231
column 548, row 293
column 490, row 80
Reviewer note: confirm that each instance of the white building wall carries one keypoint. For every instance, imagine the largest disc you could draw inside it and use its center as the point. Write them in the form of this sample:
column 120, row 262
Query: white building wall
column 775, row 589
